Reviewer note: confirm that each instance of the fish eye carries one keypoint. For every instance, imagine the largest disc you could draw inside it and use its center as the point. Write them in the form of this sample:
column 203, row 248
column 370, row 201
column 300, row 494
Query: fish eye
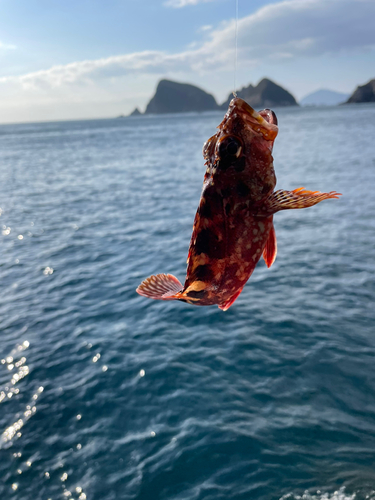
column 229, row 146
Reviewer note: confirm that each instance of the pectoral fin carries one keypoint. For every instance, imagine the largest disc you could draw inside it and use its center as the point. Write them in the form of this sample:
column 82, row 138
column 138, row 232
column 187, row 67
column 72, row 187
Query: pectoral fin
column 299, row 198
column 160, row 287
column 270, row 250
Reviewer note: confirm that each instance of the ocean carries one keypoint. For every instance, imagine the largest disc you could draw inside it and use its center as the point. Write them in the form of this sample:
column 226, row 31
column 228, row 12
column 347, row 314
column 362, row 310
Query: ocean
column 106, row 395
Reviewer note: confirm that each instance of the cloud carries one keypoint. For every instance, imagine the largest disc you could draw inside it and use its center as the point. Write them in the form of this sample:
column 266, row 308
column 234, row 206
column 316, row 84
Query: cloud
column 86, row 72
column 6, row 46
column 206, row 27
column 295, row 28
column 177, row 4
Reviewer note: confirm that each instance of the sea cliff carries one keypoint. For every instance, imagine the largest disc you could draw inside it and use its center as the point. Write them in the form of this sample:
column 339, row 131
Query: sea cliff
column 363, row 93
column 267, row 94
column 173, row 97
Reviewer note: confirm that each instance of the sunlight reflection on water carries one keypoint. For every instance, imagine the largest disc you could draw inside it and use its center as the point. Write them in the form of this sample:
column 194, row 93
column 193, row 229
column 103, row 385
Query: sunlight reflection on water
column 13, row 431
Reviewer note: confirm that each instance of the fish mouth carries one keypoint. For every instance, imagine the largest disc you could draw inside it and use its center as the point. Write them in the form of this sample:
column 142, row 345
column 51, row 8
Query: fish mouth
column 264, row 122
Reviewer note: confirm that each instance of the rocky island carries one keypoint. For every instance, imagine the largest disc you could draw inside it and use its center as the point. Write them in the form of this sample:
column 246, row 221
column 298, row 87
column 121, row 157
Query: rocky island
column 173, row 97
column 266, row 94
column 363, row 93
column 135, row 112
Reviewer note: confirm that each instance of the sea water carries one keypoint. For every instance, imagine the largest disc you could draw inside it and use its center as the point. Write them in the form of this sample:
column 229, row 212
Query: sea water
column 106, row 395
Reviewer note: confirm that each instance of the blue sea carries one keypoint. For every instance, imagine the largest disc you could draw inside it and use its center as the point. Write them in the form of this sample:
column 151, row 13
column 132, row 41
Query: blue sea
column 106, row 395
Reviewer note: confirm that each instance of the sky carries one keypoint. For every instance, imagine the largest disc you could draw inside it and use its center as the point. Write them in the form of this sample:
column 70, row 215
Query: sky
column 76, row 59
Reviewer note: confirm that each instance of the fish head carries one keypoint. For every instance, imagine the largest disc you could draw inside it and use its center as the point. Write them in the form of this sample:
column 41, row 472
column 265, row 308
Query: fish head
column 243, row 147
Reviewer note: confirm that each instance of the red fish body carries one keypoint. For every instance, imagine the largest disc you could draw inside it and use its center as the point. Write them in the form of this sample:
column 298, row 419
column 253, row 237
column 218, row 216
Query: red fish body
column 233, row 225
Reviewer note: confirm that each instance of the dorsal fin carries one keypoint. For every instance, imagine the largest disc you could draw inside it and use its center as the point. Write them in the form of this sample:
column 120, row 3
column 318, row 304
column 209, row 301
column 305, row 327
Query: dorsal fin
column 270, row 250
column 160, row 287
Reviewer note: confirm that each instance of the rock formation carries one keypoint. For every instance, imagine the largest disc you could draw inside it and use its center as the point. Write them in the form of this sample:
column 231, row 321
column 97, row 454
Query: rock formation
column 266, row 94
column 173, row 97
column 135, row 112
column 364, row 93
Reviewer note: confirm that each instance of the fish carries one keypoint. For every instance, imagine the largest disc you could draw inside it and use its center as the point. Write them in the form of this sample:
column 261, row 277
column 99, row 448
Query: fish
column 233, row 226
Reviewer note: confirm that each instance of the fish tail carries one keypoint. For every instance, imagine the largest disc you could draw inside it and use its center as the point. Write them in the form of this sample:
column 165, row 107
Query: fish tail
column 160, row 287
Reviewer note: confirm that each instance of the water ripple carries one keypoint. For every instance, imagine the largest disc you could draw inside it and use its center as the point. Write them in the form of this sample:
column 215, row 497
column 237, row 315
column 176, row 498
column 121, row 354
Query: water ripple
column 113, row 396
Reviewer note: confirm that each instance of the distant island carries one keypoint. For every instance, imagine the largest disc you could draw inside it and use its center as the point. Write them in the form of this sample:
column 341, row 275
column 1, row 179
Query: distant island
column 324, row 97
column 266, row 94
column 175, row 97
column 364, row 93
column 136, row 112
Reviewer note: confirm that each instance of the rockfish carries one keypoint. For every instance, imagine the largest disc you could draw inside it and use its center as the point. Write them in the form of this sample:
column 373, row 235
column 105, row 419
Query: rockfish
column 233, row 226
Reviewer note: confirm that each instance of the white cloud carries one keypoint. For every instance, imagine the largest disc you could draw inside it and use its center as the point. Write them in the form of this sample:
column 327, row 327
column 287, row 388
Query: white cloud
column 177, row 4
column 90, row 71
column 206, row 27
column 7, row 46
column 296, row 28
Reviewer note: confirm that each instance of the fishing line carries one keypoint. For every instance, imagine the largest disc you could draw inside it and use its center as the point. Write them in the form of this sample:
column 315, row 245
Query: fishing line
column 235, row 52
